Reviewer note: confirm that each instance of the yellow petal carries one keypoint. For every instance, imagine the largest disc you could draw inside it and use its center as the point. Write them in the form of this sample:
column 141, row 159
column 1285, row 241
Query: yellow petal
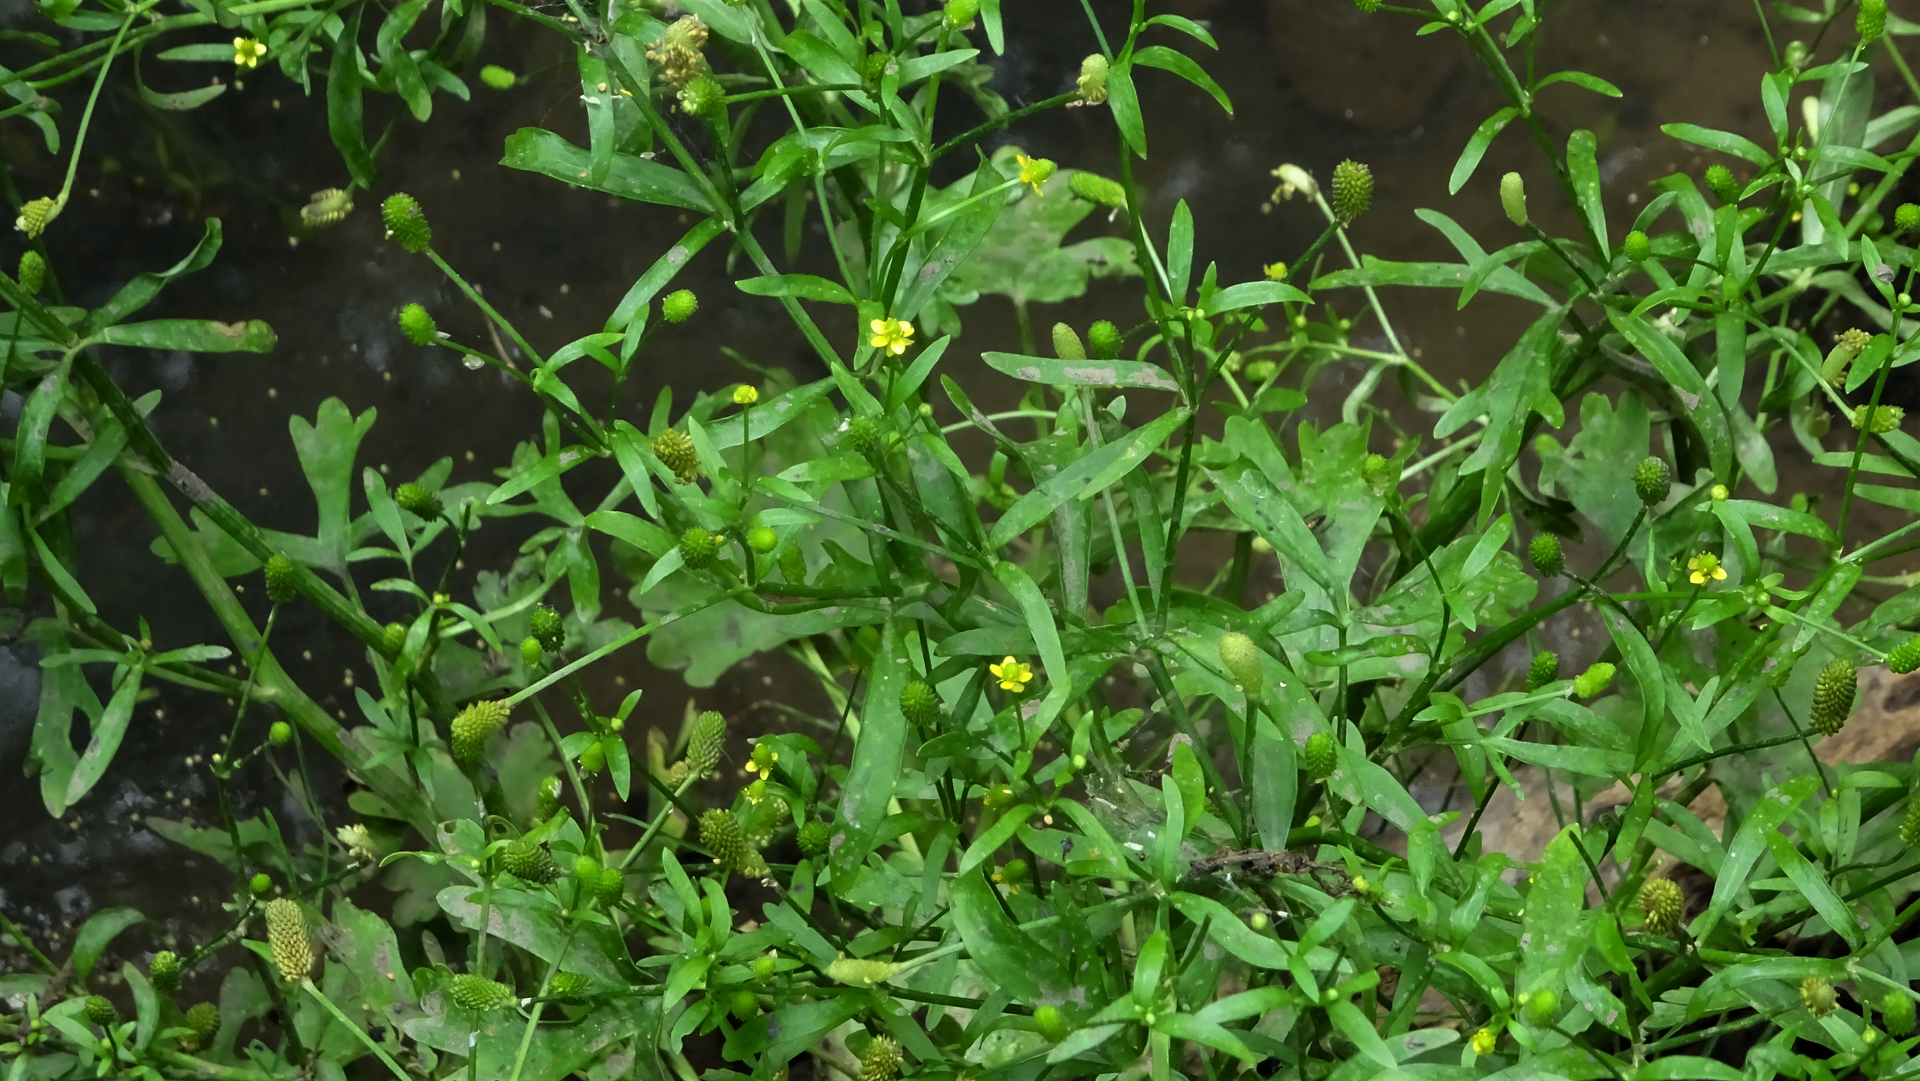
column 878, row 326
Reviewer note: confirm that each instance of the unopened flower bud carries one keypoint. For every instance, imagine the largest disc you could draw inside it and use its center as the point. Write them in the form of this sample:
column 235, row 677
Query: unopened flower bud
column 1066, row 343
column 1095, row 188
column 1636, row 247
column 280, row 734
column 1541, row 1006
column 497, row 77
column 1242, row 660
column 1896, row 1013
column 1513, row 198
column 1092, row 83
column 860, row 972
column 1052, row 1026
column 1816, row 992
column 1594, row 681
column 960, row 14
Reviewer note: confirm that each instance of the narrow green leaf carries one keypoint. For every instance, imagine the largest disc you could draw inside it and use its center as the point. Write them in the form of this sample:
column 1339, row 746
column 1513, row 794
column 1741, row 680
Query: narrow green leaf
column 106, row 737
column 1180, row 252
column 629, row 177
column 1125, row 106
column 1253, row 295
column 192, row 336
column 95, row 935
column 876, row 756
column 1087, row 373
column 1748, row 846
column 344, row 122
column 1015, row 961
column 1476, row 148
column 1046, row 638
column 1584, row 167
column 1724, row 141
column 58, row 572
column 1085, row 478
column 1159, row 56
column 1814, row 887
column 804, row 286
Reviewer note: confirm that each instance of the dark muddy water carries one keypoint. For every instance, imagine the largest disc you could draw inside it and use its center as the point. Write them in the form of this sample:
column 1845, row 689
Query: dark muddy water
column 1312, row 82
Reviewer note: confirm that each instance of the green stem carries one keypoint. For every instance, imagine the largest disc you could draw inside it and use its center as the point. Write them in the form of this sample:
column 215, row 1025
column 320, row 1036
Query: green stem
column 381, row 1052
column 996, row 123
column 86, row 117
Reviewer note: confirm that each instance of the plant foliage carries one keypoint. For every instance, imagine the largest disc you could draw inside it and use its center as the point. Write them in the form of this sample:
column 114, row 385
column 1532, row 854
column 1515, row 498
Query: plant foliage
column 1078, row 812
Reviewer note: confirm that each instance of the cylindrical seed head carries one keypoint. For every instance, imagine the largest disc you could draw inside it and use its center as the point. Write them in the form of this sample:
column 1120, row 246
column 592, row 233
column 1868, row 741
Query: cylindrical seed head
column 473, row 726
column 1833, row 695
column 287, row 938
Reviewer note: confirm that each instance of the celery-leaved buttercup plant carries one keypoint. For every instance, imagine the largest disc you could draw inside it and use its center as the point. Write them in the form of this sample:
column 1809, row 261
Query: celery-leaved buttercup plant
column 1080, row 808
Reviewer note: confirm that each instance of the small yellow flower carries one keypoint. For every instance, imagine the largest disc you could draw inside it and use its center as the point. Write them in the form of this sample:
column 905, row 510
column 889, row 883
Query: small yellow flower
column 248, row 52
column 1705, row 566
column 892, row 335
column 745, row 394
column 1719, row 493
column 1034, row 171
column 1483, row 1042
column 1013, row 675
column 1275, row 271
